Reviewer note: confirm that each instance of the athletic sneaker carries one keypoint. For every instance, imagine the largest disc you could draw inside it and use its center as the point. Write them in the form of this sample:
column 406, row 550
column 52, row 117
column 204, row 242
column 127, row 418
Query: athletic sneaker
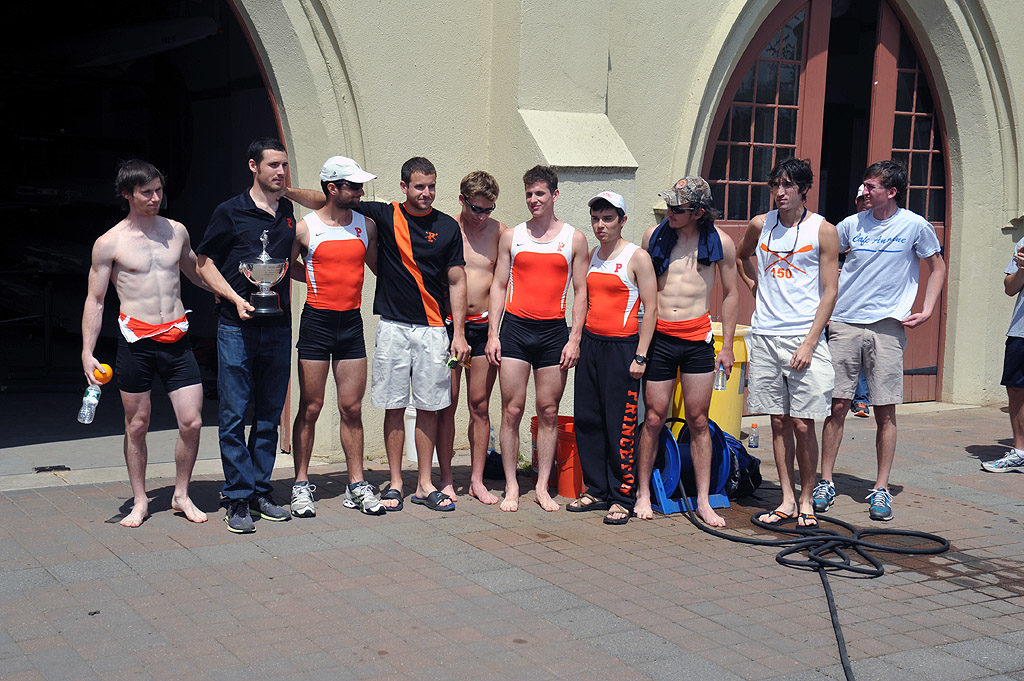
column 237, row 517
column 861, row 409
column 264, row 507
column 1013, row 461
column 363, row 496
column 823, row 496
column 302, row 500
column 881, row 504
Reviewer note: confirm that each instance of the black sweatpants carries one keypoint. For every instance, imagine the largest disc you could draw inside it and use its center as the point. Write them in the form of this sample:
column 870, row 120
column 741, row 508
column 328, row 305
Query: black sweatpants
column 605, row 417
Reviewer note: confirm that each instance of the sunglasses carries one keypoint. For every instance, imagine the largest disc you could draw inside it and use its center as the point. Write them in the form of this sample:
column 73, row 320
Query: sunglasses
column 351, row 185
column 478, row 209
column 679, row 210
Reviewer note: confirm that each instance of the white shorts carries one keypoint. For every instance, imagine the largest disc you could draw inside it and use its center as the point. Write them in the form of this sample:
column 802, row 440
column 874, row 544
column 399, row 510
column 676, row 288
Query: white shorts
column 410, row 360
column 774, row 388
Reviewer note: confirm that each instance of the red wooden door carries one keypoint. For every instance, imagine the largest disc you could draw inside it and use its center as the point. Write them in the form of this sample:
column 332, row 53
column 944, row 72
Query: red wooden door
column 773, row 109
column 905, row 126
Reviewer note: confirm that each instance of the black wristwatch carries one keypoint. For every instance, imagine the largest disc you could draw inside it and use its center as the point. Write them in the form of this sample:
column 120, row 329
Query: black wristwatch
column 640, row 359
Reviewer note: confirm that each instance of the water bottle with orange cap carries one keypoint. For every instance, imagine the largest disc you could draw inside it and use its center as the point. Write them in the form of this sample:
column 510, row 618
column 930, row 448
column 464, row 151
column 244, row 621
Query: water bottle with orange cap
column 92, row 394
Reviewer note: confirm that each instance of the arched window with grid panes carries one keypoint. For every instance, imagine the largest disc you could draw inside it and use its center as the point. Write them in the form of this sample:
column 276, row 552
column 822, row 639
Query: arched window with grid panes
column 842, row 85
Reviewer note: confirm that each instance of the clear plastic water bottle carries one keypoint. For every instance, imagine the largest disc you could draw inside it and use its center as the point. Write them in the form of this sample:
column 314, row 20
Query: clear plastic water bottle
column 720, row 379
column 492, row 445
column 753, row 438
column 89, row 401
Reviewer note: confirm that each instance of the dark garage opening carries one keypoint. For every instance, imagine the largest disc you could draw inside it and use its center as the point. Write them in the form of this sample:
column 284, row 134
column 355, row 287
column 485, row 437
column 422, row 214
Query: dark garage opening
column 85, row 87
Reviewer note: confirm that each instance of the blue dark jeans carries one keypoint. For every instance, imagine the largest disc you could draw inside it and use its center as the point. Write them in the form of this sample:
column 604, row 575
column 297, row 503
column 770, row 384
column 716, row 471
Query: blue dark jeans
column 253, row 366
column 860, row 393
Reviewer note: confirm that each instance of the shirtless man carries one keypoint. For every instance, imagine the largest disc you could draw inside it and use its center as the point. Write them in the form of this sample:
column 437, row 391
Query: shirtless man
column 686, row 249
column 144, row 255
column 335, row 243
column 537, row 262
column 480, row 235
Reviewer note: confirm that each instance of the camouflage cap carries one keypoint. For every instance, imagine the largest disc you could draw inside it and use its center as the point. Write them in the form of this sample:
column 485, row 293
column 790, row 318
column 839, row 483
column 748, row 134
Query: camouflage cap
column 688, row 191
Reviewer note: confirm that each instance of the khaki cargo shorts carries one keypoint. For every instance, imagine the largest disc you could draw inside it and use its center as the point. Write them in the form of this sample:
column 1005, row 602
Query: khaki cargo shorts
column 878, row 348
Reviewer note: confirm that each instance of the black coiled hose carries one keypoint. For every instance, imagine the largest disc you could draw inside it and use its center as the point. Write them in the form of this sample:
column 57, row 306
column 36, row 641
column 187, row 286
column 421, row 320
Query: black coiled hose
column 827, row 551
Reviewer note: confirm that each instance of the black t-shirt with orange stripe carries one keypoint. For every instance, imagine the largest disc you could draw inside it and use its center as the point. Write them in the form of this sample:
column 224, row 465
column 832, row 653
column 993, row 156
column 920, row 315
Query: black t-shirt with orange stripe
column 414, row 253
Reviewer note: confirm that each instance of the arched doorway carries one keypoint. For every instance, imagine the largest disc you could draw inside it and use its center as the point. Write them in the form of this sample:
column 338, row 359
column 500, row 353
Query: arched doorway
column 175, row 83
column 841, row 83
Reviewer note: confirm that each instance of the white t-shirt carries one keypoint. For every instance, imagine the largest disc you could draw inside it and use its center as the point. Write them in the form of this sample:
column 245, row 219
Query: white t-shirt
column 788, row 280
column 1017, row 318
column 879, row 278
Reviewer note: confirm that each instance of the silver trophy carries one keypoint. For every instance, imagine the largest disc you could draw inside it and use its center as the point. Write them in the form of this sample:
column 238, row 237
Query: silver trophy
column 265, row 272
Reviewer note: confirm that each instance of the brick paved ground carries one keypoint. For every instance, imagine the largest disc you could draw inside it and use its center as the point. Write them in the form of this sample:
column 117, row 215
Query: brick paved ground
column 478, row 594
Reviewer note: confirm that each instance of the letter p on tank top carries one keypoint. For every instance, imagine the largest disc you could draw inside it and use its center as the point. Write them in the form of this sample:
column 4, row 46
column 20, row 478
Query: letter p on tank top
column 540, row 274
column 613, row 300
column 335, row 263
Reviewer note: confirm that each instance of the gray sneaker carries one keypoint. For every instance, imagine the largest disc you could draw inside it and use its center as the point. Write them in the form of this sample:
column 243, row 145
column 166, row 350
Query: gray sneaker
column 262, row 506
column 823, row 496
column 881, row 504
column 237, row 517
column 1013, row 461
column 302, row 500
column 363, row 496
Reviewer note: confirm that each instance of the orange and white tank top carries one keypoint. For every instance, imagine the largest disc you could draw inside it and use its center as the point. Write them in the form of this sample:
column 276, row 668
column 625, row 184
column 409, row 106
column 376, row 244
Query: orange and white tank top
column 613, row 300
column 334, row 263
column 788, row 284
column 539, row 277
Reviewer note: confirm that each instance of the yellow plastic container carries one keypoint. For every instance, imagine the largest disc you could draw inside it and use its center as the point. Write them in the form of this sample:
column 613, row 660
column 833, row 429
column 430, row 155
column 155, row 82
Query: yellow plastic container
column 726, row 405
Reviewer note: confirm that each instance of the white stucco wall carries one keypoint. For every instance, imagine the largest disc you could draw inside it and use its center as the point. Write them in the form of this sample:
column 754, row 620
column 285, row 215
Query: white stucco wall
column 451, row 82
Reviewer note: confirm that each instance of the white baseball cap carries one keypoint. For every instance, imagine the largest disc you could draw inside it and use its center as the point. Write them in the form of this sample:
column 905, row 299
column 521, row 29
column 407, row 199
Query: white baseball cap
column 343, row 168
column 612, row 198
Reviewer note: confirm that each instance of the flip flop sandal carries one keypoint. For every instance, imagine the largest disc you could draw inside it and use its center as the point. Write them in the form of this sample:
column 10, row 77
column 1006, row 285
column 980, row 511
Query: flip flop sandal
column 594, row 504
column 434, row 501
column 805, row 517
column 616, row 508
column 393, row 495
column 782, row 518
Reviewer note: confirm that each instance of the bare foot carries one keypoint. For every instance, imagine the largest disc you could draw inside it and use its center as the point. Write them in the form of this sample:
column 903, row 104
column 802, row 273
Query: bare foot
column 479, row 491
column 511, row 501
column 806, row 518
column 777, row 516
column 388, row 500
column 545, row 501
column 139, row 513
column 642, row 509
column 449, row 489
column 185, row 505
column 708, row 515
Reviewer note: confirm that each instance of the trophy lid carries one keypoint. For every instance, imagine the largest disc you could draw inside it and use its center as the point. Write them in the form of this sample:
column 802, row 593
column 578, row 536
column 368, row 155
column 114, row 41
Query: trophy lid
column 265, row 240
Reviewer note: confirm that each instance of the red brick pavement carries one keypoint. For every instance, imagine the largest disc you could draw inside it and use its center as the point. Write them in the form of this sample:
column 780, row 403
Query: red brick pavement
column 485, row 595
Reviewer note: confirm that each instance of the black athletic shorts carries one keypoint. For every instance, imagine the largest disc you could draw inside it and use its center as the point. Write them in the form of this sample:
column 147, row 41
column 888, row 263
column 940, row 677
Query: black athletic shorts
column 1013, row 363
column 326, row 334
column 668, row 353
column 537, row 341
column 476, row 336
column 137, row 363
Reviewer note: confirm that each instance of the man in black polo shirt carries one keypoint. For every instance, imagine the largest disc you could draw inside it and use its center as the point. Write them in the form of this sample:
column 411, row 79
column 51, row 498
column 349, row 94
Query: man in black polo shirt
column 253, row 353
